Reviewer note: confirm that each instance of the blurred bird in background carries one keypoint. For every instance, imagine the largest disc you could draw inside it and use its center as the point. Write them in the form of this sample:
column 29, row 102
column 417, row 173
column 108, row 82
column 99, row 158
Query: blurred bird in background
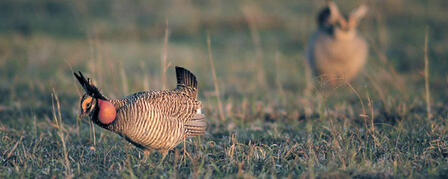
column 336, row 51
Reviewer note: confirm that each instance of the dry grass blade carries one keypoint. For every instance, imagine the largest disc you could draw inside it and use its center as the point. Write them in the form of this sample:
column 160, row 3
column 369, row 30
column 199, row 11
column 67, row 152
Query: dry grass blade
column 398, row 82
column 124, row 80
column 380, row 91
column 215, row 79
column 14, row 147
column 309, row 84
column 164, row 66
column 277, row 77
column 364, row 114
column 77, row 91
column 427, row 92
column 372, row 114
column 250, row 14
column 58, row 120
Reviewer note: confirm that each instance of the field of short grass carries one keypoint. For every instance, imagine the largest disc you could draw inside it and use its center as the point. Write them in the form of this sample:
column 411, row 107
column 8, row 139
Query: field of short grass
column 273, row 122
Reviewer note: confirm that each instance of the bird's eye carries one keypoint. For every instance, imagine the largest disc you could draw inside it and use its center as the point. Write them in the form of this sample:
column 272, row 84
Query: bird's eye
column 88, row 106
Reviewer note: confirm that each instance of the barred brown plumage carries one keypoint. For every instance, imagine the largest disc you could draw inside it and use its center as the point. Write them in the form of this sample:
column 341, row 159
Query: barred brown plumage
column 151, row 120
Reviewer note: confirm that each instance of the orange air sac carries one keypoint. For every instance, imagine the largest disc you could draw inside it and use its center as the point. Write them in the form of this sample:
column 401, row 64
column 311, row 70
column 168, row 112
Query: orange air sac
column 107, row 112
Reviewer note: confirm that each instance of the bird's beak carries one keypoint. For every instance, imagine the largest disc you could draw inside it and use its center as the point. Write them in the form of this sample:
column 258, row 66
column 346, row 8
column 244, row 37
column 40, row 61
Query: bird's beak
column 82, row 115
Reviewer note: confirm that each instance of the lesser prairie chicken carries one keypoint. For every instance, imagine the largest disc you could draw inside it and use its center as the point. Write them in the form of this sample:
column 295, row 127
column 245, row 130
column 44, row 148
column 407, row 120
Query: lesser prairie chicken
column 336, row 52
column 151, row 120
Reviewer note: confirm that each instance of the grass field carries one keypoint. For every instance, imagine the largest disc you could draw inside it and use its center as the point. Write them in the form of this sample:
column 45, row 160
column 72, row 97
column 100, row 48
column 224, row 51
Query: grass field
column 272, row 123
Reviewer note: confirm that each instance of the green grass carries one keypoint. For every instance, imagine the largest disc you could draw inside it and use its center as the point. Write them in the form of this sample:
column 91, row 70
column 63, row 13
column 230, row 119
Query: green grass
column 274, row 126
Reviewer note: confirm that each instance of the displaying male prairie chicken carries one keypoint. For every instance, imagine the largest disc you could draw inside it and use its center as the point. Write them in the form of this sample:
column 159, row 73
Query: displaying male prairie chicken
column 151, row 120
column 336, row 52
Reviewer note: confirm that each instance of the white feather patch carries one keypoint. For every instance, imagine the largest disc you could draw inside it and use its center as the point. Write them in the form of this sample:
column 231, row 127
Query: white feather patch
column 198, row 111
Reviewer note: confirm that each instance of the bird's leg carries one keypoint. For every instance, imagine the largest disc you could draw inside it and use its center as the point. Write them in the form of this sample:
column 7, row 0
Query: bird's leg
column 185, row 147
column 146, row 153
column 164, row 153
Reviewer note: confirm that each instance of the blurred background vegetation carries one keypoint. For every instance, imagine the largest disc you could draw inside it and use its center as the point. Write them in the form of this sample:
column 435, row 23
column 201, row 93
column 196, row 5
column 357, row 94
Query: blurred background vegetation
column 258, row 48
column 394, row 28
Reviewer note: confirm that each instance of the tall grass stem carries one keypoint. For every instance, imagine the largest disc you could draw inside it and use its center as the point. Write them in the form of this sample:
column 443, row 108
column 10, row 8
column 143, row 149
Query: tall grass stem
column 164, row 56
column 427, row 92
column 215, row 79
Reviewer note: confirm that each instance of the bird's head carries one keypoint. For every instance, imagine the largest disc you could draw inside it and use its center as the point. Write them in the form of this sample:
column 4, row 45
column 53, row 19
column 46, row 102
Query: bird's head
column 88, row 105
column 335, row 23
column 93, row 104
